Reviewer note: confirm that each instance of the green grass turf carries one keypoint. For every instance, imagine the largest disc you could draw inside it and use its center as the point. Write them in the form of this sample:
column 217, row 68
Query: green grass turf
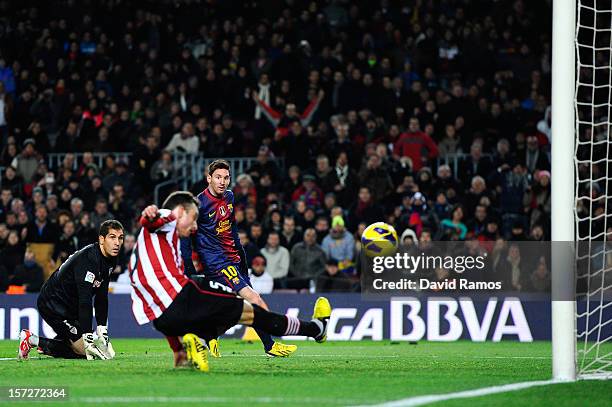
column 335, row 373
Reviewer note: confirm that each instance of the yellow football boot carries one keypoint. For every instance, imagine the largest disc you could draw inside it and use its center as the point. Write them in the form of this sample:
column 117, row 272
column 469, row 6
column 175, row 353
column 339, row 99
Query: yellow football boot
column 322, row 312
column 196, row 352
column 280, row 350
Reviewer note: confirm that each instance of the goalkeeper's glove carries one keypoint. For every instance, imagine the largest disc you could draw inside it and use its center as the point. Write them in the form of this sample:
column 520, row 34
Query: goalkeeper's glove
column 92, row 351
column 102, row 332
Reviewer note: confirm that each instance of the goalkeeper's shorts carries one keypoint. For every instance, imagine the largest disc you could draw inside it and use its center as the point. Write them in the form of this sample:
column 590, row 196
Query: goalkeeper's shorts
column 205, row 313
column 65, row 328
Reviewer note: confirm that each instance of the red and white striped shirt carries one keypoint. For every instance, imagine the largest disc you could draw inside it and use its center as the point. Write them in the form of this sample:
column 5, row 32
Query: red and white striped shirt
column 156, row 267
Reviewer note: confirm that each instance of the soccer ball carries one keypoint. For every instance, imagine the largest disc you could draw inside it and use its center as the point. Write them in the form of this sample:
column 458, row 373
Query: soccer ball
column 379, row 239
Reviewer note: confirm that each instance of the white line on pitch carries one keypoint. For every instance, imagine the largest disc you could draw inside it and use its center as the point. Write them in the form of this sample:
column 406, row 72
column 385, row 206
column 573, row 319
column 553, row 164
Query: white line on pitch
column 208, row 399
column 434, row 398
column 360, row 356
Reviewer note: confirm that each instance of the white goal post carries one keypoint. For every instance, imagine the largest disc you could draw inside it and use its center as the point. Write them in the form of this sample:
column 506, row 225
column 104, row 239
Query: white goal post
column 562, row 180
column 581, row 218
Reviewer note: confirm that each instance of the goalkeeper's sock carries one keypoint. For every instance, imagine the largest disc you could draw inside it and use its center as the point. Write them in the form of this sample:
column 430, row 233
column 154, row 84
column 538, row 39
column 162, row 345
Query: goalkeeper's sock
column 266, row 339
column 279, row 325
column 58, row 349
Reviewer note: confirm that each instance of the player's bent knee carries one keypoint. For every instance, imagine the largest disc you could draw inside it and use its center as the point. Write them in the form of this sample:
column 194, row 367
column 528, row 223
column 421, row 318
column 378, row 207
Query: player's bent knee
column 248, row 314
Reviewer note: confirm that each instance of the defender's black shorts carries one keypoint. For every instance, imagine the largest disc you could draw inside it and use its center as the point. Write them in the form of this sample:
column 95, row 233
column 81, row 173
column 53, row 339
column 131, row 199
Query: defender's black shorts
column 65, row 328
column 205, row 313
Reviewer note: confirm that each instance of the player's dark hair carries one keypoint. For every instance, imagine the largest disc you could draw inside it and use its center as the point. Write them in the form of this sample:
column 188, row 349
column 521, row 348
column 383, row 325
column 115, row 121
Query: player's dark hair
column 107, row 225
column 217, row 165
column 180, row 198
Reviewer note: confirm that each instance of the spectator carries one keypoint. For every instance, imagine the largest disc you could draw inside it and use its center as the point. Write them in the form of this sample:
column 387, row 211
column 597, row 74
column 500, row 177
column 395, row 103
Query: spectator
column 277, row 259
column 41, row 230
column 250, row 248
column 28, row 274
column 147, row 162
column 478, row 190
column 289, row 235
column 365, row 210
column 244, row 191
column 453, row 228
column 512, row 185
column 12, row 254
column 413, row 143
column 120, row 175
column 476, row 164
column 346, row 183
column 309, row 192
column 376, row 179
column 282, row 121
column 67, row 244
column 26, row 162
column 540, row 278
column 6, row 196
column 537, row 200
column 512, row 270
column 307, row 260
column 339, row 244
column 325, row 176
column 100, row 214
column 6, row 101
column 185, row 141
column 4, row 232
column 120, row 204
column 76, row 208
column 85, row 230
column 450, row 144
column 257, row 236
column 535, row 158
column 262, row 281
column 331, row 280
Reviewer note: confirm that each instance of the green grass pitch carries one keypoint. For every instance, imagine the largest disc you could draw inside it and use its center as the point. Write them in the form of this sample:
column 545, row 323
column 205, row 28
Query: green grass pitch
column 334, row 374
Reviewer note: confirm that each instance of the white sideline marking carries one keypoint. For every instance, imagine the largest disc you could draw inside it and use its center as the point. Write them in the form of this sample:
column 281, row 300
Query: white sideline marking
column 207, row 399
column 356, row 356
column 434, row 398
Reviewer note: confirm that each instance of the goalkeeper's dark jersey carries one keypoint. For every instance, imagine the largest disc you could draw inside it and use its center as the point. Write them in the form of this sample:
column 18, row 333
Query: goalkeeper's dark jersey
column 68, row 293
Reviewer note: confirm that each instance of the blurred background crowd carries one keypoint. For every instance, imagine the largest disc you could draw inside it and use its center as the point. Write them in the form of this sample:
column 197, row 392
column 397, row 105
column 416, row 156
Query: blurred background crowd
column 432, row 115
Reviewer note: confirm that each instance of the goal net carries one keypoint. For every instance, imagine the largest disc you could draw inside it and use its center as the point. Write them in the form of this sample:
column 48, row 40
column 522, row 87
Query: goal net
column 593, row 172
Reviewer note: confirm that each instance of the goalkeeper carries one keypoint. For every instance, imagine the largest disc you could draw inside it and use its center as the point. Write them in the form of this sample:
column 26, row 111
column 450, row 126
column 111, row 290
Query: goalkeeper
column 65, row 301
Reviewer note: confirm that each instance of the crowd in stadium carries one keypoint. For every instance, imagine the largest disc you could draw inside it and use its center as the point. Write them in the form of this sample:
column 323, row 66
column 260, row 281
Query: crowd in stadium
column 431, row 115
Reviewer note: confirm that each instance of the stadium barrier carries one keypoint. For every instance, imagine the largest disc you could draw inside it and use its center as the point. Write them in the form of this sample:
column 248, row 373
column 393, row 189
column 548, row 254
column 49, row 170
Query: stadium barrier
column 190, row 168
column 521, row 317
column 455, row 160
column 54, row 160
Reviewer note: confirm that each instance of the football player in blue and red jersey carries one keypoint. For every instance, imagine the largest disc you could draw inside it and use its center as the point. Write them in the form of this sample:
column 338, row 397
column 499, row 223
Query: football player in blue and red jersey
column 220, row 254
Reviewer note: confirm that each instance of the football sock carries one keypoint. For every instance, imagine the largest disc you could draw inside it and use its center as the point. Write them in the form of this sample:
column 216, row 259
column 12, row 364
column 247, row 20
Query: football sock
column 33, row 340
column 58, row 349
column 266, row 339
column 175, row 343
column 279, row 325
